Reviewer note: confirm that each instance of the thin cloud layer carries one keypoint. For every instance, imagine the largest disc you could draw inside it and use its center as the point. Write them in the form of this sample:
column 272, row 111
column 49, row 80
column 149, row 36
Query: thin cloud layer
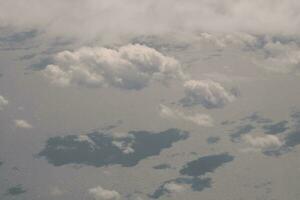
column 131, row 67
column 99, row 193
column 120, row 17
column 198, row 119
column 3, row 102
column 208, row 93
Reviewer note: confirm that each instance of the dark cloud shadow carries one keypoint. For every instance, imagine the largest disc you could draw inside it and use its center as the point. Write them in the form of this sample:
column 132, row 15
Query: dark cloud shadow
column 276, row 127
column 213, row 139
column 15, row 190
column 102, row 149
column 241, row 130
column 205, row 164
column 162, row 166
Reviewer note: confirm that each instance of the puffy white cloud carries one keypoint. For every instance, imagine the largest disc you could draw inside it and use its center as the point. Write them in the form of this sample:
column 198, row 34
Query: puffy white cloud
column 199, row 119
column 125, row 147
column 128, row 67
column 3, row 102
column 99, row 193
column 263, row 141
column 208, row 93
column 20, row 123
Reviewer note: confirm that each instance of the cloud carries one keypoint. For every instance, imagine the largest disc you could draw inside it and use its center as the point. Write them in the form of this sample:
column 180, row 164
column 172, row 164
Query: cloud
column 174, row 187
column 3, row 102
column 56, row 191
column 179, row 185
column 131, row 67
column 281, row 56
column 93, row 17
column 198, row 119
column 208, row 93
column 263, row 141
column 20, row 123
column 100, row 193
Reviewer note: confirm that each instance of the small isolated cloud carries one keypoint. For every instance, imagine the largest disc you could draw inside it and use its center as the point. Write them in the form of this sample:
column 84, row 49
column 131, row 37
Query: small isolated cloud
column 208, row 93
column 174, row 187
column 99, row 193
column 55, row 191
column 199, row 119
column 20, row 123
column 3, row 102
column 130, row 67
column 263, row 141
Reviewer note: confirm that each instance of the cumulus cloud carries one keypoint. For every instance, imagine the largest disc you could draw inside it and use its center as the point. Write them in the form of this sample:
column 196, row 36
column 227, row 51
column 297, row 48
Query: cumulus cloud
column 3, row 102
column 20, row 123
column 208, row 93
column 130, row 67
column 99, row 193
column 93, row 17
column 198, row 119
column 263, row 141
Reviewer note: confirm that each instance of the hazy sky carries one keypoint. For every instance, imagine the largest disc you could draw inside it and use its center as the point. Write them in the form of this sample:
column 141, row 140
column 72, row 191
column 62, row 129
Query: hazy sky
column 141, row 100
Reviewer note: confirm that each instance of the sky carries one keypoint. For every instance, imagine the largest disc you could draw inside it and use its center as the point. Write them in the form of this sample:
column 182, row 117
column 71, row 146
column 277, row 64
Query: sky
column 143, row 100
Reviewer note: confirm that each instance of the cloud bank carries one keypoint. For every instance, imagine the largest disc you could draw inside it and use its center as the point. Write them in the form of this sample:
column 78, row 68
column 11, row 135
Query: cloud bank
column 131, row 67
column 120, row 17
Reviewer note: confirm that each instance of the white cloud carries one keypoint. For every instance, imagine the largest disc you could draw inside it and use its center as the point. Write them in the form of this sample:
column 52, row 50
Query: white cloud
column 3, row 102
column 99, row 193
column 94, row 17
column 263, row 141
column 125, row 147
column 198, row 119
column 20, row 123
column 281, row 57
column 173, row 188
column 208, row 93
column 55, row 191
column 128, row 67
